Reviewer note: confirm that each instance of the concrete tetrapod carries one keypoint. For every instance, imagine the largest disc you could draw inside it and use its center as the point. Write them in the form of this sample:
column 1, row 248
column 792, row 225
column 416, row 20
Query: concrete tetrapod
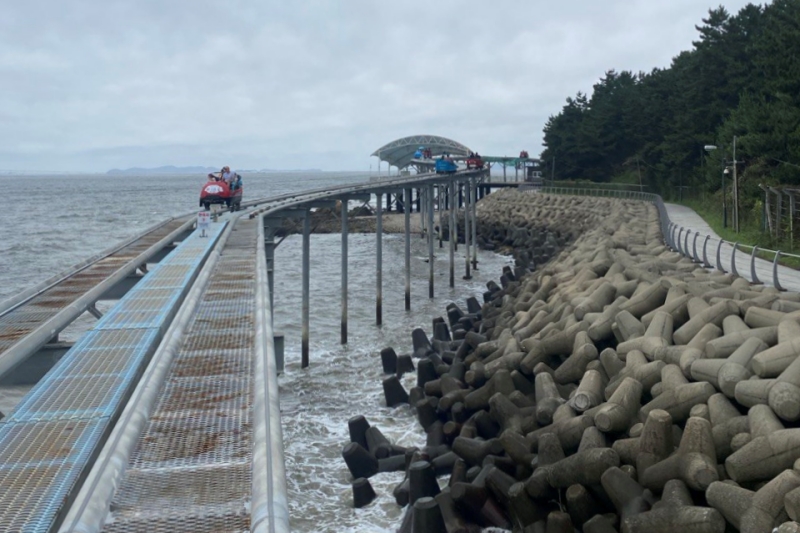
column 694, row 463
column 625, row 493
column 772, row 362
column 616, row 415
column 784, row 395
column 589, row 393
column 729, row 499
column 678, row 402
column 724, row 346
column 713, row 315
column 764, row 457
column 766, row 509
column 682, row 519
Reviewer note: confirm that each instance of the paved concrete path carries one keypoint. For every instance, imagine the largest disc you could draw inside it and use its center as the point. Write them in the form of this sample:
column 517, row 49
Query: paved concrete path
column 788, row 278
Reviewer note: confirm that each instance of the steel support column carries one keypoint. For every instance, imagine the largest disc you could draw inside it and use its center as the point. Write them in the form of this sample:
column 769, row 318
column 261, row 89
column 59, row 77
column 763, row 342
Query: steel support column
column 474, row 189
column 452, row 192
column 429, row 212
column 379, row 265
column 467, row 211
column 423, row 206
column 344, row 271
column 440, row 202
column 407, row 216
column 306, row 292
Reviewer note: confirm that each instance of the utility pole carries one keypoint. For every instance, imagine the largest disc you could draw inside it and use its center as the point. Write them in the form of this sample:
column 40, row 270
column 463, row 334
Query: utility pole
column 553, row 173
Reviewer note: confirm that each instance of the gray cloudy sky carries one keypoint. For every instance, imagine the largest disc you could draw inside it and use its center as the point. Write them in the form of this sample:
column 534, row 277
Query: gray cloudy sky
column 95, row 84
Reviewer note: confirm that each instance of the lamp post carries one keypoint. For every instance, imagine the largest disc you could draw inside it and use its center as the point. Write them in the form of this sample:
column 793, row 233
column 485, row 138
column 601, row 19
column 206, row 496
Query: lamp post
column 725, row 173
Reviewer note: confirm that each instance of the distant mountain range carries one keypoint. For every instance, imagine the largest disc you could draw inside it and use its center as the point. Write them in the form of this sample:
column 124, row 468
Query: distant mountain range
column 171, row 169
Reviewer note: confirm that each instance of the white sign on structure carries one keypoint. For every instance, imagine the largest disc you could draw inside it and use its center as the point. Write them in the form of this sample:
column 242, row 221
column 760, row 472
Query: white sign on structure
column 203, row 220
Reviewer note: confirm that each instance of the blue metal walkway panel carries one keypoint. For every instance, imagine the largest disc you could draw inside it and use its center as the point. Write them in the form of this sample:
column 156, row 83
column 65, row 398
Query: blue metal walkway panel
column 48, row 442
column 42, row 462
column 89, row 380
column 148, row 308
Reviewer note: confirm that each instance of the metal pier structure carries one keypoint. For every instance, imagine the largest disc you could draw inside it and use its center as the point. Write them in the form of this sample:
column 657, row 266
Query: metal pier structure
column 165, row 415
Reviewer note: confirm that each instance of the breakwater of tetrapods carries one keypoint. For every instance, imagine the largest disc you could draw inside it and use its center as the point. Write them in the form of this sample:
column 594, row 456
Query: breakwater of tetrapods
column 618, row 387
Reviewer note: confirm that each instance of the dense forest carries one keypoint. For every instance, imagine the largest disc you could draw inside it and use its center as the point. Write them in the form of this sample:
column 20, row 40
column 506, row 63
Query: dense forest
column 741, row 78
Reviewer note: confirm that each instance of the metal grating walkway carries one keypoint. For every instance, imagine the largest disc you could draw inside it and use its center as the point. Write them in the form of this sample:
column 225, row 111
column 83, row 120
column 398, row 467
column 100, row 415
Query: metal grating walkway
column 48, row 442
column 27, row 317
column 191, row 469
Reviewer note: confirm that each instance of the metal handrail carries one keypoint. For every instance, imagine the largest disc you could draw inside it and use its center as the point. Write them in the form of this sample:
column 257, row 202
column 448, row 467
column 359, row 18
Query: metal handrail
column 676, row 237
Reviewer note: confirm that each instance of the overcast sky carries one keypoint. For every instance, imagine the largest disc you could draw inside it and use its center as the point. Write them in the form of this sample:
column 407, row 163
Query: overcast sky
column 89, row 85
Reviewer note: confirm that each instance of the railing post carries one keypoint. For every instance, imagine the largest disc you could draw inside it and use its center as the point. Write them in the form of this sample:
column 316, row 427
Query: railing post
column 694, row 247
column 719, row 256
column 304, row 356
column 775, row 281
column 705, row 255
column 344, row 270
column 686, row 251
column 733, row 259
column 753, row 275
column 667, row 234
column 680, row 232
column 674, row 240
column 407, row 220
column 379, row 264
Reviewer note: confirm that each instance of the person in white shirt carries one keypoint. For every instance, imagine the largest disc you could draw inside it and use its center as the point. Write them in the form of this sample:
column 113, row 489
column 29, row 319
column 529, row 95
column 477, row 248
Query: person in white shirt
column 228, row 175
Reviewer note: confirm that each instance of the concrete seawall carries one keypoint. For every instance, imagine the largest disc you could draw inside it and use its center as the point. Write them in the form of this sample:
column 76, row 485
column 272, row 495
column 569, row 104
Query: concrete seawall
column 617, row 387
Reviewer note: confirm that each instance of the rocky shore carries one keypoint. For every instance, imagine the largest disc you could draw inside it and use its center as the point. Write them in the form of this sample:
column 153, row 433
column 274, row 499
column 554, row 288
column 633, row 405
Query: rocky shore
column 616, row 387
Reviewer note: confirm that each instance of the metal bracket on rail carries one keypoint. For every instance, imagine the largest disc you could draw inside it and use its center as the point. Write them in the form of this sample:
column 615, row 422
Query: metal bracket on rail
column 94, row 312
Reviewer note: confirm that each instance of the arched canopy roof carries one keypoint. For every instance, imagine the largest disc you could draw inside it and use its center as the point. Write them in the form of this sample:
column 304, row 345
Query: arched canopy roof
column 399, row 153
